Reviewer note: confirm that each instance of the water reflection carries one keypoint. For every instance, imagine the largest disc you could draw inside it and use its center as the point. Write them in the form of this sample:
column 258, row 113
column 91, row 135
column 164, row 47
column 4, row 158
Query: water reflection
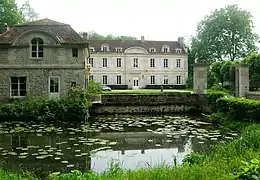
column 133, row 141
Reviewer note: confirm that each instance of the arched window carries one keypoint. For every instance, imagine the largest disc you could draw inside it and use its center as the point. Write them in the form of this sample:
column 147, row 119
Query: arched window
column 37, row 47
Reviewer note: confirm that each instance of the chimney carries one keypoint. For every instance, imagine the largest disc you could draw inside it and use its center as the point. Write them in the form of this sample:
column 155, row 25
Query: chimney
column 85, row 36
column 142, row 38
column 181, row 41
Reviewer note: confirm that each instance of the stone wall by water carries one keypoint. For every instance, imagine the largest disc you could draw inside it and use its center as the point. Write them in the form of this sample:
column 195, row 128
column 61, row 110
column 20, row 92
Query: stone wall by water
column 253, row 95
column 156, row 103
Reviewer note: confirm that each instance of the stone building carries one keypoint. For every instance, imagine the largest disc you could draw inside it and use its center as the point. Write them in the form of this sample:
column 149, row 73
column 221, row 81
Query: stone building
column 134, row 64
column 41, row 58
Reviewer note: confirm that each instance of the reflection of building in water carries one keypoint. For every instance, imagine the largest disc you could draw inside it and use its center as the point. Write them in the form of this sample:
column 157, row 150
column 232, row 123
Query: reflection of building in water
column 142, row 141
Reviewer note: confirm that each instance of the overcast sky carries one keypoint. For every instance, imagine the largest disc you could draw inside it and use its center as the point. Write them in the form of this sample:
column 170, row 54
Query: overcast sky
column 154, row 19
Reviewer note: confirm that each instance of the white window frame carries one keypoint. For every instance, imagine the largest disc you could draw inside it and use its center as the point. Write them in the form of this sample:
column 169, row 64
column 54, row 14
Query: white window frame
column 135, row 63
column 178, row 51
column 165, row 63
column 49, row 86
column 105, row 62
column 37, row 51
column 117, row 62
column 178, row 63
column 19, row 88
column 152, row 50
column 104, row 48
column 165, row 80
column 118, row 79
column 165, row 49
column 103, row 77
column 119, row 49
column 152, row 63
column 91, row 62
column 152, row 80
column 178, row 80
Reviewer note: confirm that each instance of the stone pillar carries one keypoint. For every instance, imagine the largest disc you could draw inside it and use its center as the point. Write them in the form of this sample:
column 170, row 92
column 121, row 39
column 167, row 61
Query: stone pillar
column 200, row 78
column 241, row 80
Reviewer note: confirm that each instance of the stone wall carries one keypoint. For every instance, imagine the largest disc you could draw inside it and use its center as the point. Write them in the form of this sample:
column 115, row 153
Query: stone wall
column 252, row 95
column 130, row 103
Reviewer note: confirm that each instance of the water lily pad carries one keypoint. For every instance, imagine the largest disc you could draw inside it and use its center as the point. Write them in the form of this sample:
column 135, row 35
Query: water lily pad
column 64, row 162
column 57, row 158
column 112, row 143
column 40, row 157
column 21, row 157
column 70, row 165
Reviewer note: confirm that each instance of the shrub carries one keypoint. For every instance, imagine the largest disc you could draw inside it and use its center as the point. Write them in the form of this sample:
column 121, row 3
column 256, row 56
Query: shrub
column 239, row 108
column 74, row 107
column 213, row 96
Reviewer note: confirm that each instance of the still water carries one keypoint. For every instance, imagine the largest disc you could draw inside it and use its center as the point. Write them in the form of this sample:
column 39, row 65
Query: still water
column 132, row 141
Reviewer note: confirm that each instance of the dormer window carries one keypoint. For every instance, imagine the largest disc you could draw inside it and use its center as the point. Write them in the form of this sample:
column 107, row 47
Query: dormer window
column 37, row 48
column 92, row 49
column 119, row 49
column 104, row 48
column 165, row 49
column 152, row 50
column 178, row 51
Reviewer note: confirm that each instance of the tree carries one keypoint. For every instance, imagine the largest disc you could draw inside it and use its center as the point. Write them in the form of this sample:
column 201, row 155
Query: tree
column 216, row 70
column 254, row 70
column 225, row 34
column 10, row 13
column 92, row 35
column 28, row 12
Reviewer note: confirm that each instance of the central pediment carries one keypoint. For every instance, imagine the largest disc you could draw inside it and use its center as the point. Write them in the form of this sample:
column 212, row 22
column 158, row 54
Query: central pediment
column 136, row 50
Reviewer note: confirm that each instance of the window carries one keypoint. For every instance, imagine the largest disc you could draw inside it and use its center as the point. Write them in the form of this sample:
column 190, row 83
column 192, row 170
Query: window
column 152, row 50
column 104, row 62
column 37, row 48
column 91, row 78
column 165, row 49
column 73, row 84
column 74, row 52
column 54, row 84
column 178, row 79
column 91, row 62
column 178, row 63
column 152, row 79
column 92, row 49
column 135, row 62
column 119, row 50
column 165, row 80
column 152, row 63
column 18, row 86
column 104, row 79
column 165, row 63
column 104, row 48
column 118, row 79
column 118, row 62
column 178, row 51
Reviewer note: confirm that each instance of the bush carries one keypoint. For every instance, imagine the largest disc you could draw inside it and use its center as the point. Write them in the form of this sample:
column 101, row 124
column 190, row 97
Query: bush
column 213, row 96
column 239, row 108
column 74, row 107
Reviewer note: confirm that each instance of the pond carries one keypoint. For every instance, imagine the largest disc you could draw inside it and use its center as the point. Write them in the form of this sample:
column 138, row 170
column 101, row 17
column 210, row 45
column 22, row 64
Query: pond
column 132, row 141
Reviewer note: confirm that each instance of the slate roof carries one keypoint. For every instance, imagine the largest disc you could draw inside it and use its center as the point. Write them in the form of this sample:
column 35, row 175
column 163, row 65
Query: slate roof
column 64, row 32
column 147, row 44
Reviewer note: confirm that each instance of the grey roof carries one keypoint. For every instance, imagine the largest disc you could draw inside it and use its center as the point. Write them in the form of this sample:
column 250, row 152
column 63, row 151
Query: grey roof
column 64, row 32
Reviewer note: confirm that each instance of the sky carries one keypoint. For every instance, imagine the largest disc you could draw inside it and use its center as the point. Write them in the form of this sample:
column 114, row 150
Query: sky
column 164, row 20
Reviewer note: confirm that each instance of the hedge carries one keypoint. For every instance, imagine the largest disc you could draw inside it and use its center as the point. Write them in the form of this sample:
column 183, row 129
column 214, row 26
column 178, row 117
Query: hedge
column 240, row 108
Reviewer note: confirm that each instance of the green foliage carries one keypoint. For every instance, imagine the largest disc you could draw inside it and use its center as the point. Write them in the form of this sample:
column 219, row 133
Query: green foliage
column 213, row 96
column 239, row 108
column 250, row 170
column 94, row 87
column 72, row 108
column 92, row 35
column 193, row 158
column 226, row 33
column 10, row 13
column 254, row 70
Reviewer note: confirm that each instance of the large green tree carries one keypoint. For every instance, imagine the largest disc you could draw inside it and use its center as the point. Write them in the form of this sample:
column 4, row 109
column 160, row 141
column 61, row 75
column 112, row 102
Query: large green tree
column 10, row 13
column 92, row 35
column 226, row 33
